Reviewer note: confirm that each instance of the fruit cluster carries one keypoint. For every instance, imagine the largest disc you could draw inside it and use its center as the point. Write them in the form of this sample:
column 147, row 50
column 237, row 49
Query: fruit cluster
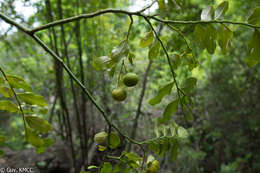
column 129, row 80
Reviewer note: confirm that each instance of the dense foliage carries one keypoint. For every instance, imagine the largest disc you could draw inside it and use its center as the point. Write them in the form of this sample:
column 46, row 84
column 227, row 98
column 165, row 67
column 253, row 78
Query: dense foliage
column 174, row 89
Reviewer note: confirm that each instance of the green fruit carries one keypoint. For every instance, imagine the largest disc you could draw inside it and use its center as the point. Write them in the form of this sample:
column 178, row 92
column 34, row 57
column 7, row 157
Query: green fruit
column 119, row 94
column 100, row 137
column 153, row 167
column 130, row 79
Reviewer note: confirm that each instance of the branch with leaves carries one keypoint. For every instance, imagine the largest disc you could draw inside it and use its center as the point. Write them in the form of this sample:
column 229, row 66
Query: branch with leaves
column 205, row 35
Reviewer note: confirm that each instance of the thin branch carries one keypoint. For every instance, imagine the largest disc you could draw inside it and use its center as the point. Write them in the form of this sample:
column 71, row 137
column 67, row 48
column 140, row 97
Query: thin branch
column 17, row 100
column 201, row 22
column 147, row 7
column 130, row 26
column 167, row 56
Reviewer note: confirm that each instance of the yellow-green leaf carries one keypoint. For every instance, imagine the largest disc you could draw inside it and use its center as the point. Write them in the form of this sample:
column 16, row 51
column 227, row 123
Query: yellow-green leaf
column 254, row 51
column 113, row 140
column 255, row 17
column 33, row 138
column 147, row 40
column 166, row 90
column 2, row 81
column 224, row 38
column 6, row 105
column 221, row 10
column 32, row 99
column 154, row 51
column 170, row 109
column 18, row 82
column 38, row 124
column 106, row 168
column 7, row 92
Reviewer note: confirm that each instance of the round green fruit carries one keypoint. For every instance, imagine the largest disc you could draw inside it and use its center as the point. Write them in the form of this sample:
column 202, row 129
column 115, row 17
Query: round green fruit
column 130, row 79
column 119, row 94
column 153, row 167
column 100, row 137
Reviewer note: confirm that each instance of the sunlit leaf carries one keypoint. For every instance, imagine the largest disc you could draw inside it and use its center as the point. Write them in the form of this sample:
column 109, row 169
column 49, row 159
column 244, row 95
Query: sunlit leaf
column 166, row 90
column 32, row 99
column 101, row 148
column 207, row 13
column 92, row 167
column 254, row 51
column 7, row 92
column 18, row 82
column 38, row 124
column 133, row 157
column 147, row 40
column 221, row 10
column 255, row 17
column 224, row 38
column 113, row 140
column 154, row 51
column 6, row 105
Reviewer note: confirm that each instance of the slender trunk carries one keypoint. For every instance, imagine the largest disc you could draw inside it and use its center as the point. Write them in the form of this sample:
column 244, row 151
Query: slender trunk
column 65, row 54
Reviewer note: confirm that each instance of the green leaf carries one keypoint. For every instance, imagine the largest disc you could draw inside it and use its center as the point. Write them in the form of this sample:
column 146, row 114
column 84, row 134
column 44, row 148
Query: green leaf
column 120, row 51
column 205, row 36
column 189, row 84
column 7, row 92
column 170, row 109
column 182, row 132
column 2, row 81
column 6, row 105
column 161, row 4
column 32, row 99
column 254, row 51
column 101, row 148
column 221, row 10
column 99, row 63
column 33, row 138
column 17, row 82
column 2, row 139
column 254, row 19
column 147, row 40
column 130, row 57
column 176, row 60
column 224, row 38
column 134, row 157
column 154, row 51
column 48, row 142
column 40, row 150
column 191, row 61
column 38, row 124
column 166, row 90
column 188, row 114
column 113, row 140
column 207, row 13
column 1, row 153
column 174, row 150
column 92, row 167
column 106, row 168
